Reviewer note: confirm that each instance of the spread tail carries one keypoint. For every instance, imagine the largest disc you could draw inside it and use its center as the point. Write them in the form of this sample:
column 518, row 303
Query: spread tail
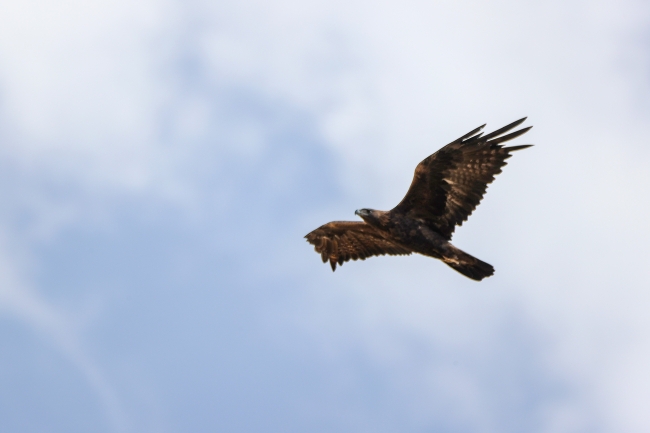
column 467, row 265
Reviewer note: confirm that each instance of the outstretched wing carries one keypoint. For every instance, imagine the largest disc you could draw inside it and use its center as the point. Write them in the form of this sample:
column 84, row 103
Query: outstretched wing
column 448, row 185
column 340, row 241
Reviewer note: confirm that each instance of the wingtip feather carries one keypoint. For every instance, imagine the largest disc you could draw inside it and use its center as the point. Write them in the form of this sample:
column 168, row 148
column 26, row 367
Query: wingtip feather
column 471, row 133
column 506, row 128
column 516, row 148
column 508, row 137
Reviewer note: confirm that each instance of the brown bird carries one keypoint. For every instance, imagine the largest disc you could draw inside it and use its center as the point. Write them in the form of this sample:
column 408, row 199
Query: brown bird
column 446, row 188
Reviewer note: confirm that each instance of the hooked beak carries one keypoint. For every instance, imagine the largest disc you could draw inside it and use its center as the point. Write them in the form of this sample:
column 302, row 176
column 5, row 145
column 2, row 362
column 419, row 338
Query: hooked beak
column 356, row 212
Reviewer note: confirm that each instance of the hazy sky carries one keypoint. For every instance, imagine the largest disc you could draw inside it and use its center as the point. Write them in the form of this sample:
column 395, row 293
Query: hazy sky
column 160, row 163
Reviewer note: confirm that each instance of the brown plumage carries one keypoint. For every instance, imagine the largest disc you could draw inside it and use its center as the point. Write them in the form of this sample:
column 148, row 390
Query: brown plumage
column 446, row 188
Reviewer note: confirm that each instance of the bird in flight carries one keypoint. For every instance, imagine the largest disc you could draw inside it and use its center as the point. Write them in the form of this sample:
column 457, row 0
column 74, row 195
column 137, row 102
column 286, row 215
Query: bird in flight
column 446, row 188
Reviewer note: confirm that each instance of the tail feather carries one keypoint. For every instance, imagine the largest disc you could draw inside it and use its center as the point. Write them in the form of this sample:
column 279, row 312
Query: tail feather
column 467, row 265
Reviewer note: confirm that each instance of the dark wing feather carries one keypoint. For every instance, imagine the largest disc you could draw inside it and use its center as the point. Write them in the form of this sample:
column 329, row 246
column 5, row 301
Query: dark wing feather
column 340, row 241
column 448, row 185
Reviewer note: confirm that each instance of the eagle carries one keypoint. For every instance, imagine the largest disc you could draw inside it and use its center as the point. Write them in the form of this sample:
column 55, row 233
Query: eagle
column 446, row 188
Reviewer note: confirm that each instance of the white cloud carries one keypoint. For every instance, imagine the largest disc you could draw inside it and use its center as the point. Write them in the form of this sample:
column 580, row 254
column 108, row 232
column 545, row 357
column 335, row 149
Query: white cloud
column 82, row 92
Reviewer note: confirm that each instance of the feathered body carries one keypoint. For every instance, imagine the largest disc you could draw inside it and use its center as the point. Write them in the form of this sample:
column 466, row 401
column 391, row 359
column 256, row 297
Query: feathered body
column 446, row 188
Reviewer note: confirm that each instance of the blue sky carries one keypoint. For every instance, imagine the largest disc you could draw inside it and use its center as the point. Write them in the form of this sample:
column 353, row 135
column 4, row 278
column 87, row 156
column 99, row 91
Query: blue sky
column 161, row 163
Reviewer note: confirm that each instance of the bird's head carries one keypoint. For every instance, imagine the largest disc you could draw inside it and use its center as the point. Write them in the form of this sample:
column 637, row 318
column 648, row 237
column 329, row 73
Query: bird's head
column 370, row 216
